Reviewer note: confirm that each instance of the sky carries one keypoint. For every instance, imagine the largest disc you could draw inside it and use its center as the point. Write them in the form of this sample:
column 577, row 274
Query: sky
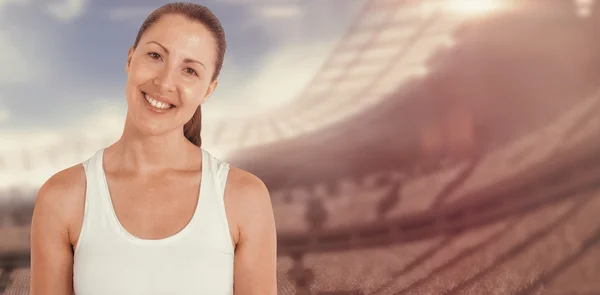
column 63, row 63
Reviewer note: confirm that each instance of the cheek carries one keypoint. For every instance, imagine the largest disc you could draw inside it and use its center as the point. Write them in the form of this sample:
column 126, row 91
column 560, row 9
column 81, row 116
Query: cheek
column 141, row 71
column 193, row 95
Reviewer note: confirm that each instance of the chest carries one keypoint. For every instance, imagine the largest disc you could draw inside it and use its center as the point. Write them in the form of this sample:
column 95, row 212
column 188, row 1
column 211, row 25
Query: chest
column 183, row 268
column 154, row 207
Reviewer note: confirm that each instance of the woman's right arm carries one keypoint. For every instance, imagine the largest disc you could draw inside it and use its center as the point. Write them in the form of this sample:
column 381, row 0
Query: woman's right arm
column 51, row 251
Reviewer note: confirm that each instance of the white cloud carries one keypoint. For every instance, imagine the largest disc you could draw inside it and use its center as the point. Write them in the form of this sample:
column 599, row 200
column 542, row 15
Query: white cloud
column 4, row 113
column 304, row 37
column 260, row 12
column 4, row 3
column 106, row 121
column 15, row 66
column 278, row 11
column 285, row 72
column 67, row 10
column 277, row 19
column 129, row 13
column 53, row 149
column 21, row 63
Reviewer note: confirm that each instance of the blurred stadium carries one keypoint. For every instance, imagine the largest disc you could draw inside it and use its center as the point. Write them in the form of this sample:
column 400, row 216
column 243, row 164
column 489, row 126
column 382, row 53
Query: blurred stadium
column 444, row 147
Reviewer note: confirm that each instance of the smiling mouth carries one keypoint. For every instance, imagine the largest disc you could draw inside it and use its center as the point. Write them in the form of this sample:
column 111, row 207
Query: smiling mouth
column 157, row 104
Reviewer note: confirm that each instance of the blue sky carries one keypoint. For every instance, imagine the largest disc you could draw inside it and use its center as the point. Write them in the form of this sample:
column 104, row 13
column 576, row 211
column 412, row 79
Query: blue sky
column 62, row 72
column 63, row 60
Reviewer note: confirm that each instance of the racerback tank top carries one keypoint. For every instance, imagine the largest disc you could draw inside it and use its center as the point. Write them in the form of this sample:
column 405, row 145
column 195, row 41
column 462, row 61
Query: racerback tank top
column 196, row 260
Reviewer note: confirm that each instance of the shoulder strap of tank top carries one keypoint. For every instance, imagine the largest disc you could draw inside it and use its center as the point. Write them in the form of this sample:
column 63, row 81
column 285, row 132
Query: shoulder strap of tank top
column 217, row 179
column 218, row 170
column 91, row 200
column 86, row 164
column 222, row 173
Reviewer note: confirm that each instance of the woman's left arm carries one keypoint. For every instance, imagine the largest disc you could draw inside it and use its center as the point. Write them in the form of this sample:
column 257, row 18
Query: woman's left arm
column 255, row 266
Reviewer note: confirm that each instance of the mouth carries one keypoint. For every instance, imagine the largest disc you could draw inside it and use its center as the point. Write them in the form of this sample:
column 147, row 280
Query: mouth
column 156, row 104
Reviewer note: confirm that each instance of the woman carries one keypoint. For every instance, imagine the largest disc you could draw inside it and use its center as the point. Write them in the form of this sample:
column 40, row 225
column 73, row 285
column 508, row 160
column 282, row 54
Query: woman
column 154, row 213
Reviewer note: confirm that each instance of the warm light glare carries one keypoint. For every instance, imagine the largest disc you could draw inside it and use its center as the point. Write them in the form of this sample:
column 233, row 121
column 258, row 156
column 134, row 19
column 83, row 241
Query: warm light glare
column 584, row 7
column 421, row 72
column 449, row 42
column 475, row 7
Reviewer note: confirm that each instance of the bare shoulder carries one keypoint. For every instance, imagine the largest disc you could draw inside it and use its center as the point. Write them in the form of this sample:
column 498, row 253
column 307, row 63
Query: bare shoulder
column 256, row 248
column 247, row 193
column 63, row 189
column 59, row 203
column 248, row 200
column 62, row 196
column 243, row 183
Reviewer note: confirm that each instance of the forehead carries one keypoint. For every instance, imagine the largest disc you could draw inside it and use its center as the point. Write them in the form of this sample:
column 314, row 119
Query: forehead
column 182, row 36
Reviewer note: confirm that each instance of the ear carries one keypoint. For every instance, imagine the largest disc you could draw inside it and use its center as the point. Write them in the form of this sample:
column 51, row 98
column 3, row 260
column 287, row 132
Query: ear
column 211, row 88
column 129, row 56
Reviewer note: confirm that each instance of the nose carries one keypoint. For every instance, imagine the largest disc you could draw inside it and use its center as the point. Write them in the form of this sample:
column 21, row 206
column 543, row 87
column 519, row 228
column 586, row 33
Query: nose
column 164, row 80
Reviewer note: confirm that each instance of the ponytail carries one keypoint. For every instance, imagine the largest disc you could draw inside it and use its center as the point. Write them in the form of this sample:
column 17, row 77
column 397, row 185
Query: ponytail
column 192, row 128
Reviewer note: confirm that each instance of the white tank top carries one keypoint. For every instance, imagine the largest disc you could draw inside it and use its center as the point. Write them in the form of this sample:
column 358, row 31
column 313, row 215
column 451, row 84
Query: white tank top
column 196, row 260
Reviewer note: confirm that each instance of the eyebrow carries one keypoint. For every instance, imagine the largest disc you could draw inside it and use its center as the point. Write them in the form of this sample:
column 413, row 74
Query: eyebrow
column 187, row 60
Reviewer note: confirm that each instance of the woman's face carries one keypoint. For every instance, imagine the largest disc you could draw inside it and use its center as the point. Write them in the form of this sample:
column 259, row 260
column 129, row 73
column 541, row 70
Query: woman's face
column 169, row 74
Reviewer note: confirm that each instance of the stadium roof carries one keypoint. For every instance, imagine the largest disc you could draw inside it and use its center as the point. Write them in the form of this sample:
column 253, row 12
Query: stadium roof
column 388, row 45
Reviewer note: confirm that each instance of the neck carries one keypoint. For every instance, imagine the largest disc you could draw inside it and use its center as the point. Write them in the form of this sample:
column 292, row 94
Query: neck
column 145, row 153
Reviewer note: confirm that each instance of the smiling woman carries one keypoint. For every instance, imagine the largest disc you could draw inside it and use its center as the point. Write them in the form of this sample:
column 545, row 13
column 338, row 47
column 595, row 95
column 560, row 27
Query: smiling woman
column 155, row 213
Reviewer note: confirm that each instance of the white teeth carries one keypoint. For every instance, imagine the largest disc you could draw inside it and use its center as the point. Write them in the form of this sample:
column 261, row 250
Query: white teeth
column 157, row 104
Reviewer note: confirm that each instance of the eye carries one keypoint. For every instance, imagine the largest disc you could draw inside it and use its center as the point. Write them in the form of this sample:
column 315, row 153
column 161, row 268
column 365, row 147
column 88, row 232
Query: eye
column 191, row 71
column 154, row 55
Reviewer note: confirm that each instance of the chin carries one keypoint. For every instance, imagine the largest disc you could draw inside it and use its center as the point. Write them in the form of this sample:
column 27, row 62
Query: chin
column 154, row 129
column 148, row 124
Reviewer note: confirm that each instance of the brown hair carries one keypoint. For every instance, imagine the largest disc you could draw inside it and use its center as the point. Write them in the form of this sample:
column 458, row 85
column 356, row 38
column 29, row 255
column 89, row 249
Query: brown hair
column 203, row 15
